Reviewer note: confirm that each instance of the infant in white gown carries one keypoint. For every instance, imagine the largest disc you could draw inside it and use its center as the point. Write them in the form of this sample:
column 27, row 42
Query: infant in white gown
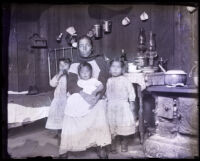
column 76, row 105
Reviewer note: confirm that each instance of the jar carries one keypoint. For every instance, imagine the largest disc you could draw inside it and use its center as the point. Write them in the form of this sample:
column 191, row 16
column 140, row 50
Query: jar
column 140, row 61
column 98, row 31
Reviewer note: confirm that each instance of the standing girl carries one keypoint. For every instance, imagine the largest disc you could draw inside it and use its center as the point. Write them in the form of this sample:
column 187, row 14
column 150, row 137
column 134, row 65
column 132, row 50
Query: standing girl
column 120, row 105
column 56, row 112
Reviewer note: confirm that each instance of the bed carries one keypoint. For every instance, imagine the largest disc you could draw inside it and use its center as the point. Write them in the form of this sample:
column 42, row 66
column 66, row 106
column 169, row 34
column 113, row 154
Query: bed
column 24, row 109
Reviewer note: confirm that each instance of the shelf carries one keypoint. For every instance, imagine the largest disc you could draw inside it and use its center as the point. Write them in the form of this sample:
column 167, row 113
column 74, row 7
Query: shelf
column 189, row 89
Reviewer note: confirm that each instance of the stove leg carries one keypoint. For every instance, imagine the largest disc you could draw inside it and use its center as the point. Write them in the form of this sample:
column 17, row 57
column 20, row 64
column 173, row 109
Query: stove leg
column 141, row 118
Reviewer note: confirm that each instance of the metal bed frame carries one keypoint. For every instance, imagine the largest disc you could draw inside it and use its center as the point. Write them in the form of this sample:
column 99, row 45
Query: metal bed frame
column 56, row 51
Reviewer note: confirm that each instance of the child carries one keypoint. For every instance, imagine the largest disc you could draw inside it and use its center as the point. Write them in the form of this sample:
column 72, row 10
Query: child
column 59, row 81
column 120, row 105
column 77, row 104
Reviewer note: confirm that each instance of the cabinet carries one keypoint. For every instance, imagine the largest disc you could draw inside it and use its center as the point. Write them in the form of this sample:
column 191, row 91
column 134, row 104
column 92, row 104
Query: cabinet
column 176, row 120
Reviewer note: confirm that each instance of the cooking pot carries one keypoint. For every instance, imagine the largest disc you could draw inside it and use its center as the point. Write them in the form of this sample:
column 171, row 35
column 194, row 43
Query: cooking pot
column 174, row 77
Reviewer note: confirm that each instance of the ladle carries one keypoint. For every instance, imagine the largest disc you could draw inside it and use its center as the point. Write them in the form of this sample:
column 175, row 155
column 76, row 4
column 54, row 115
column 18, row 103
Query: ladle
column 162, row 68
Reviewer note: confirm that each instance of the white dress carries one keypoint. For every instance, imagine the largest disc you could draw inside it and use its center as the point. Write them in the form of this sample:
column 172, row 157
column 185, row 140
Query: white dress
column 56, row 111
column 119, row 92
column 76, row 105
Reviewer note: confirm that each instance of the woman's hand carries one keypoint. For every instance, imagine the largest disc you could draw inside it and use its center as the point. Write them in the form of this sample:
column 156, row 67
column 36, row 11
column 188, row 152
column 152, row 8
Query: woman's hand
column 97, row 90
column 96, row 100
column 94, row 93
column 91, row 99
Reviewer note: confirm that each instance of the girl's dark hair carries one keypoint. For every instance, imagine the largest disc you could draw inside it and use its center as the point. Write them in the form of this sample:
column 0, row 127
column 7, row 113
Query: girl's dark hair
column 65, row 60
column 118, row 60
column 85, row 37
column 84, row 64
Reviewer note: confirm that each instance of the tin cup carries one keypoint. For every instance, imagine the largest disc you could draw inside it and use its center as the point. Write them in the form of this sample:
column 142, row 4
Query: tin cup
column 71, row 30
column 107, row 26
column 97, row 31
column 126, row 21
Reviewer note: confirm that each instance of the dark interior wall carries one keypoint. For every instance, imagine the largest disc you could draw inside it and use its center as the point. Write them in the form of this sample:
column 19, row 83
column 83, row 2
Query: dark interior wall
column 175, row 29
column 185, row 39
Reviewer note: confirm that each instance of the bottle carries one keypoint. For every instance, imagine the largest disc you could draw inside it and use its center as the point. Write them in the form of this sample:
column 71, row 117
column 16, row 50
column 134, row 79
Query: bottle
column 152, row 42
column 123, row 56
column 59, row 38
column 141, row 40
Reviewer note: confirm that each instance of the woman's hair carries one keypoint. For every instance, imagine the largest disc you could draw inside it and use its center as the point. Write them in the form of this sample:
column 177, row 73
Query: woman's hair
column 84, row 64
column 65, row 60
column 85, row 37
column 118, row 60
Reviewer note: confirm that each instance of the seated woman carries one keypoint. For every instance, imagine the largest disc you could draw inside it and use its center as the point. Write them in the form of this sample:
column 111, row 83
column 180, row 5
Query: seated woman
column 91, row 129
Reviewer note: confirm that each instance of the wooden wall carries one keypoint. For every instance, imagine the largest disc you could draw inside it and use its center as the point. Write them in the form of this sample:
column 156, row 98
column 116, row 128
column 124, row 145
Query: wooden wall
column 175, row 29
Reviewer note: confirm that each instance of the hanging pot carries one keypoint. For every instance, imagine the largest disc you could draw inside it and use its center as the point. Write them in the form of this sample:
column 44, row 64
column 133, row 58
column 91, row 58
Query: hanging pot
column 174, row 77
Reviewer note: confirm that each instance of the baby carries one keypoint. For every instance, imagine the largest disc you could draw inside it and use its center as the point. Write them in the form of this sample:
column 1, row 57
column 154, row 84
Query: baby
column 77, row 104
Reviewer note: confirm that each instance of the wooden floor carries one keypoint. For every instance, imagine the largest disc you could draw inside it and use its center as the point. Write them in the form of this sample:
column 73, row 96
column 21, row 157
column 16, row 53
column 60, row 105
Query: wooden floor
column 34, row 140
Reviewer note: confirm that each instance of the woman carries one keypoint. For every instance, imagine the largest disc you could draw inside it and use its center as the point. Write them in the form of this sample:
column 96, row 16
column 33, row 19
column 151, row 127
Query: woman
column 80, row 133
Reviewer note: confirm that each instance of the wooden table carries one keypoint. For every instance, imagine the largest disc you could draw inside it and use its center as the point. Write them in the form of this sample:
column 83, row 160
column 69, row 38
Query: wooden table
column 139, row 79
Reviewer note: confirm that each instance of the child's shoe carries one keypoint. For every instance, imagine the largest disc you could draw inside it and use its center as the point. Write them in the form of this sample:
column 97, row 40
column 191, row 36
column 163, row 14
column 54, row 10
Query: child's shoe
column 102, row 153
column 124, row 148
column 124, row 145
column 114, row 147
column 63, row 156
column 59, row 140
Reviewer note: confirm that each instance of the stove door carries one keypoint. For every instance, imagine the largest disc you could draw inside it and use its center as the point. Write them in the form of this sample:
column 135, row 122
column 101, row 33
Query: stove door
column 188, row 115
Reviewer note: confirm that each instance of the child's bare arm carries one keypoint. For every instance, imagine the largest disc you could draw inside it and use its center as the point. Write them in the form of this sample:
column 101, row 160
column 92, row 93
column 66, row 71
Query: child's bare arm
column 88, row 98
column 97, row 97
column 59, row 74
column 54, row 81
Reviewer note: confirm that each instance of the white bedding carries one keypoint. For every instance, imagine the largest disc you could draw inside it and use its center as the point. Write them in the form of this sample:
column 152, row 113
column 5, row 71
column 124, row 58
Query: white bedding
column 24, row 108
column 19, row 114
column 14, row 92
